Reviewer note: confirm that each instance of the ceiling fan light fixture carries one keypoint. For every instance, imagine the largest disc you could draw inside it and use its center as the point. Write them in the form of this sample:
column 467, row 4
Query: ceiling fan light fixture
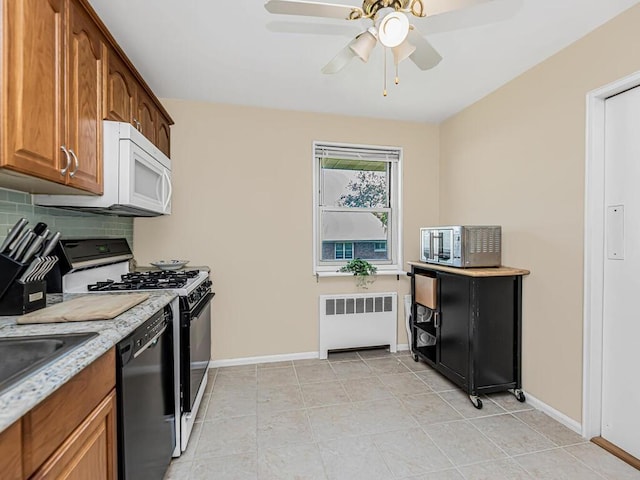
column 402, row 51
column 364, row 44
column 393, row 29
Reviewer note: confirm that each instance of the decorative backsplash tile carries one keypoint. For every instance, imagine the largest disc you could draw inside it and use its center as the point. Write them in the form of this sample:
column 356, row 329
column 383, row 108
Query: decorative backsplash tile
column 71, row 224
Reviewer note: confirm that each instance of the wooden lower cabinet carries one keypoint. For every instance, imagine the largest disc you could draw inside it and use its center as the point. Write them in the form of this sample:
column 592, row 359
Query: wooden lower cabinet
column 71, row 434
column 89, row 452
column 11, row 452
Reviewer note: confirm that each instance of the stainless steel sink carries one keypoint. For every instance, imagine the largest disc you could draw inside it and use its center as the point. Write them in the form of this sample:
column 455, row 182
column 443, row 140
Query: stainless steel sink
column 21, row 356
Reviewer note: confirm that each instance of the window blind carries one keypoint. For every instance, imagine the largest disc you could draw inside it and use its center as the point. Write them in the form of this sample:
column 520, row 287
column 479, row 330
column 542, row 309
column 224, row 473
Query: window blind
column 324, row 151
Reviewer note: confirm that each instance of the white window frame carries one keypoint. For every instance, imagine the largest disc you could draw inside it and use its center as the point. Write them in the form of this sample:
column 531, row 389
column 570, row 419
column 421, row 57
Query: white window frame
column 394, row 244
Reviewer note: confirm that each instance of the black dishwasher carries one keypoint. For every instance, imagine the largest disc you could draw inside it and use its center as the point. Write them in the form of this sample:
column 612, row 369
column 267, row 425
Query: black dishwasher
column 146, row 406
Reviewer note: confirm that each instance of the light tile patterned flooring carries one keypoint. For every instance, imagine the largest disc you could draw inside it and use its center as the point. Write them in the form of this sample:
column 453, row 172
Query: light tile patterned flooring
column 377, row 416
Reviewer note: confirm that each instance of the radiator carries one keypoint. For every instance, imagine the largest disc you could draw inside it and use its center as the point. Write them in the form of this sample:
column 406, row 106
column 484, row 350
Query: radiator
column 358, row 320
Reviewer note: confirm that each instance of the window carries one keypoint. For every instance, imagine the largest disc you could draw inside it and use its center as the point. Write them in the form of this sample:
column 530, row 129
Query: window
column 380, row 246
column 344, row 251
column 356, row 206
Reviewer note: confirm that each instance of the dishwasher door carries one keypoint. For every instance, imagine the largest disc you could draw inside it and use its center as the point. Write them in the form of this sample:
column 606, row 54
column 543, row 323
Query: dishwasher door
column 146, row 412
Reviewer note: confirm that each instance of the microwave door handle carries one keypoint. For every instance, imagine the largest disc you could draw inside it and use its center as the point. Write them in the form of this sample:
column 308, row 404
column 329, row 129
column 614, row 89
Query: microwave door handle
column 160, row 188
column 165, row 175
column 436, row 246
column 430, row 257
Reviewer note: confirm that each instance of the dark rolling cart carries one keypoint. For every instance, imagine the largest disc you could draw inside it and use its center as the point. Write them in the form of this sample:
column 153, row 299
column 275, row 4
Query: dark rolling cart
column 467, row 325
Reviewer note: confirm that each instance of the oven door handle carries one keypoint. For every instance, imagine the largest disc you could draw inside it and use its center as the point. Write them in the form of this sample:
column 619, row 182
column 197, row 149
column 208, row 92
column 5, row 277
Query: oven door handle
column 202, row 305
column 151, row 342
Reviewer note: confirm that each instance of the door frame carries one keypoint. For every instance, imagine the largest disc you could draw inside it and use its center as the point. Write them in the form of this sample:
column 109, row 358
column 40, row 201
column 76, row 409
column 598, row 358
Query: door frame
column 593, row 302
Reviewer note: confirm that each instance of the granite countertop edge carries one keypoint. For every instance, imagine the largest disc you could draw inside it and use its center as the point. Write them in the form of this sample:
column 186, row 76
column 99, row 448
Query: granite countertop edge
column 21, row 397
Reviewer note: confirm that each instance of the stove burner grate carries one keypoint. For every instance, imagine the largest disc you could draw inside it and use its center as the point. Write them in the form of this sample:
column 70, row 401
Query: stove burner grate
column 152, row 280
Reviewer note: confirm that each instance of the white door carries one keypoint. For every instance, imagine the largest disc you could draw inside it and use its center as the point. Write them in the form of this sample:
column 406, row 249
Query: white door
column 621, row 329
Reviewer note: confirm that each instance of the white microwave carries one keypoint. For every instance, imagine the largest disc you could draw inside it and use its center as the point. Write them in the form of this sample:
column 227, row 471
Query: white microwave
column 137, row 178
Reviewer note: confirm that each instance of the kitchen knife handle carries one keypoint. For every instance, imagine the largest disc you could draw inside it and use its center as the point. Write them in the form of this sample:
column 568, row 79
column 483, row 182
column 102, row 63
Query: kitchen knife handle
column 13, row 234
column 35, row 246
column 27, row 239
column 50, row 245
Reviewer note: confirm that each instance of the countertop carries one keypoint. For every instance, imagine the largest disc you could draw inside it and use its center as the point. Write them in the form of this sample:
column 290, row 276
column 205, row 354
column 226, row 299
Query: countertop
column 473, row 272
column 26, row 394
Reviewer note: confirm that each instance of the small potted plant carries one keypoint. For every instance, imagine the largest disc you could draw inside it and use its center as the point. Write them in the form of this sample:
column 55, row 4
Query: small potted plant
column 362, row 270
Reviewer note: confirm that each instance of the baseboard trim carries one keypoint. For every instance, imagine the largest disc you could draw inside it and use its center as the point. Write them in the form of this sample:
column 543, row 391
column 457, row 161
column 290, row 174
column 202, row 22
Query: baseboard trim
column 617, row 451
column 231, row 362
column 555, row 414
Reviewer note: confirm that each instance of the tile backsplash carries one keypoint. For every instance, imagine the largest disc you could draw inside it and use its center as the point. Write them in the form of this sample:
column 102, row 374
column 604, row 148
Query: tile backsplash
column 71, row 224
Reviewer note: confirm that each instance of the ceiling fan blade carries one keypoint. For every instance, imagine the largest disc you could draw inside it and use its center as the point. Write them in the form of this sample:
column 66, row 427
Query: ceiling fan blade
column 304, row 28
column 424, row 56
column 340, row 61
column 486, row 13
column 436, row 7
column 313, row 9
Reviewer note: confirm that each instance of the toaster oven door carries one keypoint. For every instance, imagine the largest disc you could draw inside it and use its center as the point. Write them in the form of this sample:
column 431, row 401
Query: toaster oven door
column 437, row 245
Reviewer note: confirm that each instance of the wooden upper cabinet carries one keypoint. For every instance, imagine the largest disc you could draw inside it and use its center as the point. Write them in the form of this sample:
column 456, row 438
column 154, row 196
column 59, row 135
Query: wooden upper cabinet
column 52, row 93
column 163, row 136
column 84, row 99
column 127, row 100
column 33, row 89
column 62, row 74
column 120, row 92
column 146, row 115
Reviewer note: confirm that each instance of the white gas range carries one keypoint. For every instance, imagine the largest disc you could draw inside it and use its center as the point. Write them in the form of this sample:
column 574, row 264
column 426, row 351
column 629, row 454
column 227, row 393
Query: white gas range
column 103, row 265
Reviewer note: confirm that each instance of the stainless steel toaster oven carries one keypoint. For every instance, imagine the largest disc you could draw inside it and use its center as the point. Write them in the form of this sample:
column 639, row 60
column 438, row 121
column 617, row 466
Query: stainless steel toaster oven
column 462, row 245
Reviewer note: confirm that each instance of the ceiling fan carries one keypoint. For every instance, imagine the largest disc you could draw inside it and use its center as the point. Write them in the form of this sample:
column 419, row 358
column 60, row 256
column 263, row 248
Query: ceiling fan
column 390, row 27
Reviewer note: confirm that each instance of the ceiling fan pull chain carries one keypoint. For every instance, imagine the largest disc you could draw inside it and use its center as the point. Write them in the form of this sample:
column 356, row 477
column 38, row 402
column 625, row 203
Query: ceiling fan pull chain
column 397, row 76
column 384, row 53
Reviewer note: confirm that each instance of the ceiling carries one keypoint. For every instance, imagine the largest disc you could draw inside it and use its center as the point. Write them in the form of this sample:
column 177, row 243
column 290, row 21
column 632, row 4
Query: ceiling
column 236, row 52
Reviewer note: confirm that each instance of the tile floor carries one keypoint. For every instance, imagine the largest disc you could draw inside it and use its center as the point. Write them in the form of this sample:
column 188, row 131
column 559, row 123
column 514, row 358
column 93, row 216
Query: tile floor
column 375, row 415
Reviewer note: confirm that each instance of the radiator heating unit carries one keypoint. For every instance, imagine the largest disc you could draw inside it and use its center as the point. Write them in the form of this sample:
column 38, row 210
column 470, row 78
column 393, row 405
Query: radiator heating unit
column 358, row 320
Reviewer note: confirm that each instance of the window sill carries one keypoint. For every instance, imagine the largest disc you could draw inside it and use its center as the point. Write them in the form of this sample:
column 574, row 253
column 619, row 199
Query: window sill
column 379, row 273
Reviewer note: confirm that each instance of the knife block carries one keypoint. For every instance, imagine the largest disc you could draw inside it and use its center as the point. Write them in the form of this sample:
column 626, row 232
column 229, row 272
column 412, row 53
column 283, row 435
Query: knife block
column 23, row 298
column 9, row 271
column 16, row 297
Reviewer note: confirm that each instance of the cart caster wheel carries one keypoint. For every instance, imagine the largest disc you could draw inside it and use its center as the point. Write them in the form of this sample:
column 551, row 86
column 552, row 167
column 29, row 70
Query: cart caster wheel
column 476, row 401
column 519, row 394
column 415, row 357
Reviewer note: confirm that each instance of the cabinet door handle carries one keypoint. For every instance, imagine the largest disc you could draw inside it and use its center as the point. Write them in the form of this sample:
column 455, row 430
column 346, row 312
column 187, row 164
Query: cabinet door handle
column 76, row 162
column 436, row 319
column 64, row 171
